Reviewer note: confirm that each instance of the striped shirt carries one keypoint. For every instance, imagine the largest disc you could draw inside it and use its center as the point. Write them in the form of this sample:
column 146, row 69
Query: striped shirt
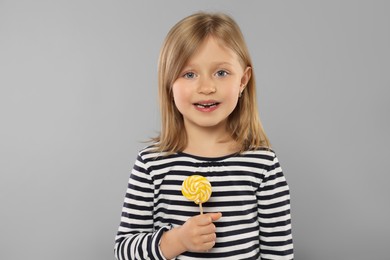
column 249, row 189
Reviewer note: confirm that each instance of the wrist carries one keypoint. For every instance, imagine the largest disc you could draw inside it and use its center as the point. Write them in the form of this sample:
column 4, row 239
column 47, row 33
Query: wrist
column 171, row 243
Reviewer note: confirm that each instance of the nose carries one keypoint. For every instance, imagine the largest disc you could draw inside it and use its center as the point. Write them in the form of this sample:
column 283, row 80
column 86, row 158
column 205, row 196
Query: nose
column 207, row 86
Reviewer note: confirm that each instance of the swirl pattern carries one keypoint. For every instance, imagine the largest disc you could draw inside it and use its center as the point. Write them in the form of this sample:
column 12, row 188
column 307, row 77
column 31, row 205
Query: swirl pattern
column 196, row 188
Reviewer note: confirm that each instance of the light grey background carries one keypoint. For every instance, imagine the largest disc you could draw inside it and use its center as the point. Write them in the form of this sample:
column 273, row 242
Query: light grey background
column 78, row 95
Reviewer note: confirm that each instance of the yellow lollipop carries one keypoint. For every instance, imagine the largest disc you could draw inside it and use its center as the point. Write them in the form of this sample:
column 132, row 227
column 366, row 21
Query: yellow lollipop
column 196, row 188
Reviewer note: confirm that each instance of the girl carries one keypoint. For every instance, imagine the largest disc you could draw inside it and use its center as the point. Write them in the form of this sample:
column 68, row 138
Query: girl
column 210, row 127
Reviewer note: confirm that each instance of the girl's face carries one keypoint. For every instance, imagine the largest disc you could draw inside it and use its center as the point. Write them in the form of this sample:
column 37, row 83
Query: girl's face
column 207, row 89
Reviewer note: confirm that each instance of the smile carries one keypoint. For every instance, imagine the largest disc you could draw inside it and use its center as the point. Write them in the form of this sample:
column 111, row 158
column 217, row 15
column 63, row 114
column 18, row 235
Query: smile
column 206, row 105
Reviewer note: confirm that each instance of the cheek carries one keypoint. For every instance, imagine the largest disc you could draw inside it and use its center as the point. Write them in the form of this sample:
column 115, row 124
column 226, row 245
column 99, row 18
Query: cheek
column 180, row 96
column 232, row 96
column 233, row 91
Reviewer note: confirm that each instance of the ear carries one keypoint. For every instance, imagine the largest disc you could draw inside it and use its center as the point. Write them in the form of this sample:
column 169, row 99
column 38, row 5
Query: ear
column 245, row 78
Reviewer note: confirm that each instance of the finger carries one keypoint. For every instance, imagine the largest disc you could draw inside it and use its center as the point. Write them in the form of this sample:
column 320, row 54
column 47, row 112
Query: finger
column 207, row 229
column 203, row 220
column 215, row 216
column 206, row 219
column 208, row 245
column 209, row 238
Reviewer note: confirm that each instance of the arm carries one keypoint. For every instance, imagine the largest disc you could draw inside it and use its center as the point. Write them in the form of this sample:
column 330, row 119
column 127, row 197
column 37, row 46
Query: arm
column 274, row 215
column 136, row 237
column 197, row 235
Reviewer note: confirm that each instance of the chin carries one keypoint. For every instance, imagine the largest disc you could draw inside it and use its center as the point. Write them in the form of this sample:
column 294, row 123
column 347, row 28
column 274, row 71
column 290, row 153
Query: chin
column 211, row 124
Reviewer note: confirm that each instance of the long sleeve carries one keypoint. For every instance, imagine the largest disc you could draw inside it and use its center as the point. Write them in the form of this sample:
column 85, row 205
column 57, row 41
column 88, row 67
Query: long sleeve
column 274, row 215
column 137, row 237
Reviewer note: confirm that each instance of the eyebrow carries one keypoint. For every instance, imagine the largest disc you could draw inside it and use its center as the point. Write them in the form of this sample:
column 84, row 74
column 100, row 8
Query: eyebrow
column 223, row 63
column 217, row 63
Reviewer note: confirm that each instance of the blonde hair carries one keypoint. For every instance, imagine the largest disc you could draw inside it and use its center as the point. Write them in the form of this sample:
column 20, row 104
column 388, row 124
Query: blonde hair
column 181, row 42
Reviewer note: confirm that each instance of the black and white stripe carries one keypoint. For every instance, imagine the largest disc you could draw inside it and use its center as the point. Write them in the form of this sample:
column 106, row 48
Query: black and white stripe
column 249, row 189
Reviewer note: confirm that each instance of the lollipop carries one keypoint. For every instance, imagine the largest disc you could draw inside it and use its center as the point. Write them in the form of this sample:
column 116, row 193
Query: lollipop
column 198, row 189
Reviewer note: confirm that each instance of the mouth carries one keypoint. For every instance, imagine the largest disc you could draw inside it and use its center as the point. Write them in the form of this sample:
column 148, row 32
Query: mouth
column 207, row 105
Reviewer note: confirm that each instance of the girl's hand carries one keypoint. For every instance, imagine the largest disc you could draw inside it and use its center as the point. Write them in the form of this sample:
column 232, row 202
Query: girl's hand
column 198, row 233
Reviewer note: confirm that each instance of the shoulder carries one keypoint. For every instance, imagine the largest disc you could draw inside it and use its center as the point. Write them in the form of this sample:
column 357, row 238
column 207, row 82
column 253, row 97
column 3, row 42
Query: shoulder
column 266, row 154
column 151, row 156
column 264, row 158
column 148, row 152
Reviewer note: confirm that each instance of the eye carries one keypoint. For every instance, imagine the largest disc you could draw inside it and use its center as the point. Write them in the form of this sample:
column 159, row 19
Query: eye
column 222, row 73
column 189, row 75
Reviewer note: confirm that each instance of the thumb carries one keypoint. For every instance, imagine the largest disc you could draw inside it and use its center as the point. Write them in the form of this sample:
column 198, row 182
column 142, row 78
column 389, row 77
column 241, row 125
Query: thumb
column 215, row 216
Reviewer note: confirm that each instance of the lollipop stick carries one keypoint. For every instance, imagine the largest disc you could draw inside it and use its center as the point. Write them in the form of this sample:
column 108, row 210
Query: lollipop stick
column 201, row 208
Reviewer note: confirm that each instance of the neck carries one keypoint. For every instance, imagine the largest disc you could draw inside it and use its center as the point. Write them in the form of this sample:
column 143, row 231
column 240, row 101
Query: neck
column 210, row 142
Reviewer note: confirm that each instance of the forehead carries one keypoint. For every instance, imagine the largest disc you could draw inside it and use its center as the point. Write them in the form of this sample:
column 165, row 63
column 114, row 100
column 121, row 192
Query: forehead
column 213, row 51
